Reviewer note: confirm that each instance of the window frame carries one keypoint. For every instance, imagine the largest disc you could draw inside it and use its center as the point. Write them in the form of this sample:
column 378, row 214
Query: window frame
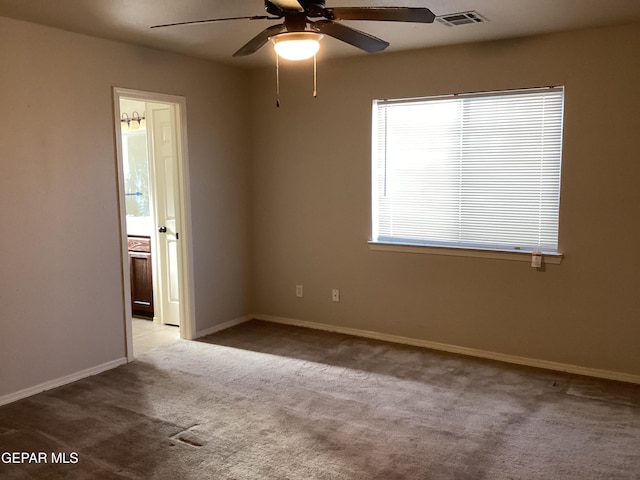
column 461, row 248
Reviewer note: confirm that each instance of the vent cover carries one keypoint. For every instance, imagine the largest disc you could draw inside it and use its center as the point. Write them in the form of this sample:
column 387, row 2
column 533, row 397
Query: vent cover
column 462, row 18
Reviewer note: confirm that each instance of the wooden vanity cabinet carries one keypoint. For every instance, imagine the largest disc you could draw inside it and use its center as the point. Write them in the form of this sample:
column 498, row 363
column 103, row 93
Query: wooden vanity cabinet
column 141, row 277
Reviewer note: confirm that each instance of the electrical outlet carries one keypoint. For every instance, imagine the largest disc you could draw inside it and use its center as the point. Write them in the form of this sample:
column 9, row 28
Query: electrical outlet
column 299, row 291
column 335, row 295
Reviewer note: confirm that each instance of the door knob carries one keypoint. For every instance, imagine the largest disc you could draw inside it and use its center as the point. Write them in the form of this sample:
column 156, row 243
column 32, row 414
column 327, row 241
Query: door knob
column 162, row 229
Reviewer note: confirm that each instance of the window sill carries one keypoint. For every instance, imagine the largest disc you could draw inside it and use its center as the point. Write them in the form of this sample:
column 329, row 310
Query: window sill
column 547, row 258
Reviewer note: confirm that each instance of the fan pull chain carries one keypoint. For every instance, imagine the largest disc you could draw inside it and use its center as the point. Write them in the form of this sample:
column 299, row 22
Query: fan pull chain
column 315, row 78
column 277, row 82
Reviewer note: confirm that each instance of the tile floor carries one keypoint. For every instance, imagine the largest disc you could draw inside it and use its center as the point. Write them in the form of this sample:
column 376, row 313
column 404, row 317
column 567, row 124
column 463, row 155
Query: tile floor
column 148, row 335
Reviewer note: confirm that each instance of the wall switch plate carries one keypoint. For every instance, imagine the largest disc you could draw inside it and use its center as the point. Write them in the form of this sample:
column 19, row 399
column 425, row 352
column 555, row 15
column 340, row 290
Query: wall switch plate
column 335, row 295
column 299, row 291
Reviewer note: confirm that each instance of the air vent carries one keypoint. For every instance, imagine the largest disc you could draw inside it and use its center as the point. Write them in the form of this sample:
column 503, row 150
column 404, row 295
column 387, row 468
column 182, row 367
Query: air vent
column 462, row 18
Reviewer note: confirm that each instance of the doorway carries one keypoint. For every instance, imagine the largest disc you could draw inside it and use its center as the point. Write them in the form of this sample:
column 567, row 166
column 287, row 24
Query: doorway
column 154, row 214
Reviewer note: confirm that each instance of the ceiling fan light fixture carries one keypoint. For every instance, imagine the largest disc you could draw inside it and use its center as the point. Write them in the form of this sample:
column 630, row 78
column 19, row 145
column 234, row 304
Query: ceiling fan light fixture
column 297, row 45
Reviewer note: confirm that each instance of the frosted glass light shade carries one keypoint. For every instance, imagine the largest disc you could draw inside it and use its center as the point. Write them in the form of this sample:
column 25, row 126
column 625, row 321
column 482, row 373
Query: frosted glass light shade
column 297, row 45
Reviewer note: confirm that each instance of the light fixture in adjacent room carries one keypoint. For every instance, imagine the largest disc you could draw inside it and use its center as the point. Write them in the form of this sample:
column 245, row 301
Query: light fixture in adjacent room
column 135, row 122
column 297, row 45
column 124, row 122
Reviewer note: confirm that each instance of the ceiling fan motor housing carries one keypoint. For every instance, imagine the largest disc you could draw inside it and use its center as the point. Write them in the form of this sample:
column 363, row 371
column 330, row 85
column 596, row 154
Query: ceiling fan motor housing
column 312, row 8
column 295, row 22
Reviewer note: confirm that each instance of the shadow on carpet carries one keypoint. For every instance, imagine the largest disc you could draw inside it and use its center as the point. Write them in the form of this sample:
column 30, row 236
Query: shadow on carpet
column 267, row 401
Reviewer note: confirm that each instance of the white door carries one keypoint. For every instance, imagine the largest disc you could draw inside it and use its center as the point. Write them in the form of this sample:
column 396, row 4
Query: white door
column 164, row 150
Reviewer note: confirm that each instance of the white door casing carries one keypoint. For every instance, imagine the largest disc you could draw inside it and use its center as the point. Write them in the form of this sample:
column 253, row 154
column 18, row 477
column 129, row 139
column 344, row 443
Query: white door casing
column 183, row 254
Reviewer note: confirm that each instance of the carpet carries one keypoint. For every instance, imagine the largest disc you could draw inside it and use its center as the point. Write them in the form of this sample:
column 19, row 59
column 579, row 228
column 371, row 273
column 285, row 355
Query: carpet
column 268, row 401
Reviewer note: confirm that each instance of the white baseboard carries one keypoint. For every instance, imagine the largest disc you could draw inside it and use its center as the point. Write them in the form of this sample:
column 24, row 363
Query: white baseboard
column 58, row 382
column 529, row 362
column 223, row 326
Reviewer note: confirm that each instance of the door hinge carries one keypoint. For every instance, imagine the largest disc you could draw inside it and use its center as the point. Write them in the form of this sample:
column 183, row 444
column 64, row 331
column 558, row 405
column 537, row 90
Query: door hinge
column 177, row 236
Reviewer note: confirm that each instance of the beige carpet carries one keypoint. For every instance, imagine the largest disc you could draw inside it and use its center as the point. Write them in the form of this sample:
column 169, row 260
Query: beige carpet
column 264, row 401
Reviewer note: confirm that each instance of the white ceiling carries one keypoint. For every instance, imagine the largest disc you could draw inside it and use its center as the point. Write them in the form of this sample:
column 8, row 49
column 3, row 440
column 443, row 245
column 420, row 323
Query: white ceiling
column 129, row 21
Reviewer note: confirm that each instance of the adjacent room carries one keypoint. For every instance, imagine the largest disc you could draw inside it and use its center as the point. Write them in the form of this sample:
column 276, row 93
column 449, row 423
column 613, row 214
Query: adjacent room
column 407, row 255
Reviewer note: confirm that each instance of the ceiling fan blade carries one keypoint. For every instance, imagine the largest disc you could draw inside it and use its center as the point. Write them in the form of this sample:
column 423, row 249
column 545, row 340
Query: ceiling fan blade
column 289, row 5
column 384, row 14
column 349, row 35
column 212, row 20
column 257, row 42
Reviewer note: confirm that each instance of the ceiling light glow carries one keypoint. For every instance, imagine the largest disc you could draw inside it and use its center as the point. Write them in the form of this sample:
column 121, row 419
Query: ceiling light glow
column 297, row 45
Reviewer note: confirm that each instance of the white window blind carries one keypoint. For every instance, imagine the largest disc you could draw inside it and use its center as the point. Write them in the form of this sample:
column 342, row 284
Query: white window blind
column 469, row 171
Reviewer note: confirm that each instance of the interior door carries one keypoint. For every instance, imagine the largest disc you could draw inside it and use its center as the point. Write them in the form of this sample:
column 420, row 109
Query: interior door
column 163, row 145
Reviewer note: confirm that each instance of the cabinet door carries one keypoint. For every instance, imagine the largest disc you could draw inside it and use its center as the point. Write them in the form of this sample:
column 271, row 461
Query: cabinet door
column 141, row 283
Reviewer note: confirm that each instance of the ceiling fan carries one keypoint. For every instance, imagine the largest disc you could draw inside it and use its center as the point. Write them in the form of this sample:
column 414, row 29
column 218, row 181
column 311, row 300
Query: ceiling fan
column 300, row 27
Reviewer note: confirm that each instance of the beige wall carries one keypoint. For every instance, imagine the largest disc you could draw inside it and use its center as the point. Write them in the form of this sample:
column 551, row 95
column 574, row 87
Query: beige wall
column 282, row 196
column 61, row 307
column 311, row 204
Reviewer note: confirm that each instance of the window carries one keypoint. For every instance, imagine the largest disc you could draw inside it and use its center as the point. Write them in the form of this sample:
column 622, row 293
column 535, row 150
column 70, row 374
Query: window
column 472, row 171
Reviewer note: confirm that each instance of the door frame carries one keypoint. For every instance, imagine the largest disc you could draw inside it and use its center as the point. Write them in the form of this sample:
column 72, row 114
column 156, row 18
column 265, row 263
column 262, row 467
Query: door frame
column 187, row 298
